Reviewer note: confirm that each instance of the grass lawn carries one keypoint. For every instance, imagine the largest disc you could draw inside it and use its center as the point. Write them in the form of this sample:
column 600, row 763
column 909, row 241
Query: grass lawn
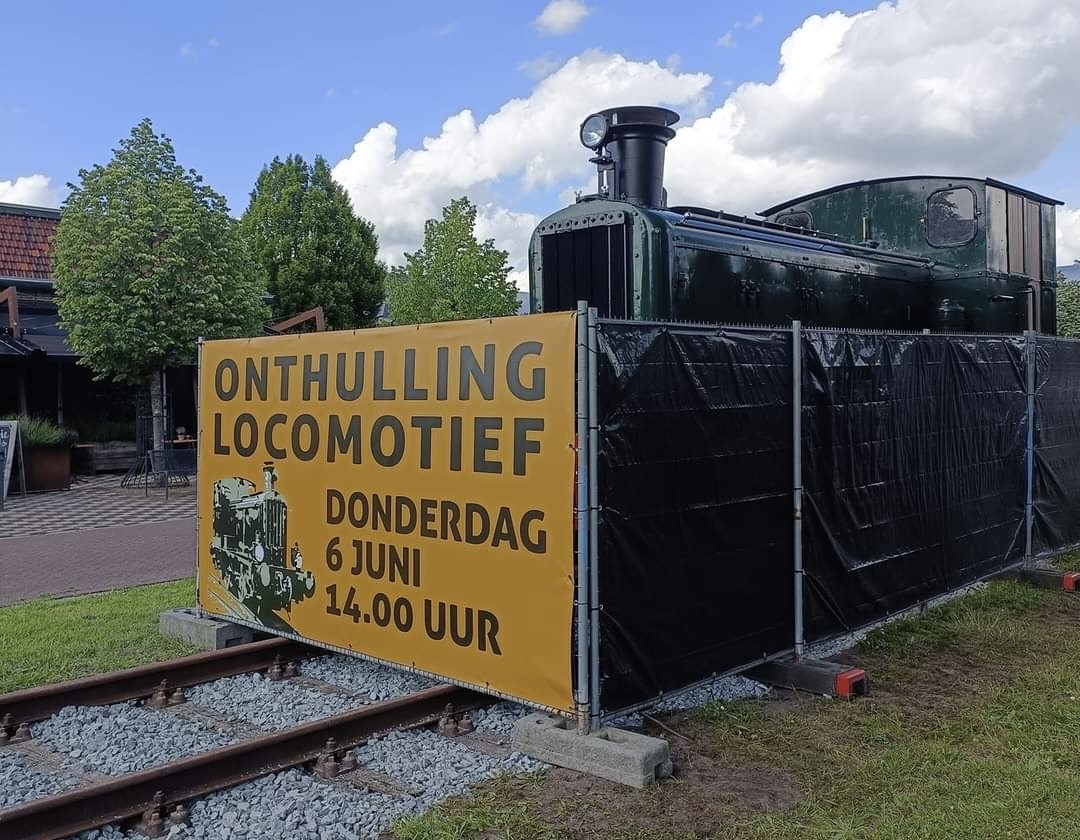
column 972, row 731
column 55, row 639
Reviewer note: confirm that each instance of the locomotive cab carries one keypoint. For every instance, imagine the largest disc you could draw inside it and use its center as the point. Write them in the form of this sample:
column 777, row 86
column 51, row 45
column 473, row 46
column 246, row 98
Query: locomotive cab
column 991, row 244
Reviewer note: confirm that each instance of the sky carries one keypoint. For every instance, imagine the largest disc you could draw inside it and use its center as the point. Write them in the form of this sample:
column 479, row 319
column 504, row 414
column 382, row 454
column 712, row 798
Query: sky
column 417, row 103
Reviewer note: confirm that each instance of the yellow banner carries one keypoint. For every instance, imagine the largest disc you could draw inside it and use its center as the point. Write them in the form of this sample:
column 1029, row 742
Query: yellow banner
column 403, row 492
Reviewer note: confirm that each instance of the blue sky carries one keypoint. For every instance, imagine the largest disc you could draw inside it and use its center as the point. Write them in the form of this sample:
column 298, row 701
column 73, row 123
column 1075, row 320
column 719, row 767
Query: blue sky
column 235, row 84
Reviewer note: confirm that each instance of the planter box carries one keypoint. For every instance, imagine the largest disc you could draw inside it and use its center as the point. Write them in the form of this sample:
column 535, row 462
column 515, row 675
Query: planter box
column 104, row 456
column 48, row 468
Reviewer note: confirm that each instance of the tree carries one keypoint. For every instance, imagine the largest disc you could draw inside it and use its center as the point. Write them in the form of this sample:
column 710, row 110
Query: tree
column 453, row 276
column 147, row 259
column 1068, row 307
column 314, row 251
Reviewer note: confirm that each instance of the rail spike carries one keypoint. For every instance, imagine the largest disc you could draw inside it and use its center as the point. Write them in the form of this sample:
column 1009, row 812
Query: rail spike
column 152, row 823
column 160, row 698
column 7, row 729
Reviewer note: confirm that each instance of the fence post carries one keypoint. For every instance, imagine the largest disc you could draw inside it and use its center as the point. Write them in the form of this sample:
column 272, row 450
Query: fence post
column 198, row 446
column 581, row 588
column 797, row 483
column 1029, row 518
column 594, row 523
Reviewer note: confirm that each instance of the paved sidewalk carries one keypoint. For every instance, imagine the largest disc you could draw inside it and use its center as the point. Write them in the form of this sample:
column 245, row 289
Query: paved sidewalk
column 96, row 560
column 94, row 537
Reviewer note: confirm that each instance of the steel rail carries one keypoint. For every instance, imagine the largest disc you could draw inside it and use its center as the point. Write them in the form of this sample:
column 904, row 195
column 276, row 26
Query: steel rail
column 33, row 704
column 167, row 785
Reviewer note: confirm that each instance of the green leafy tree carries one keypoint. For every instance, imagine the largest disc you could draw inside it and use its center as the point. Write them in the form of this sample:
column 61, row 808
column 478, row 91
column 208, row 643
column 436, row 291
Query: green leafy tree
column 1068, row 307
column 314, row 251
column 147, row 260
column 453, row 276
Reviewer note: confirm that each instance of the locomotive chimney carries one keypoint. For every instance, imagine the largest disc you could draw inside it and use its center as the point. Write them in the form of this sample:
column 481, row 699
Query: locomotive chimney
column 630, row 144
column 268, row 476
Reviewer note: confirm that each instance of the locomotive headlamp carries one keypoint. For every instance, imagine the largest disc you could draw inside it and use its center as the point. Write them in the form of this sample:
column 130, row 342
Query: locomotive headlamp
column 594, row 131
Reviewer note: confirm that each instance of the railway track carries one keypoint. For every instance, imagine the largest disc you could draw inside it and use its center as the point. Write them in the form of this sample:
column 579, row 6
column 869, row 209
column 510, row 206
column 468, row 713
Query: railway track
column 155, row 798
column 20, row 708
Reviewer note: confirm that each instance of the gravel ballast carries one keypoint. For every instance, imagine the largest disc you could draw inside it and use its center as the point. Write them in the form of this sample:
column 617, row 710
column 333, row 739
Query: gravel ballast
column 440, row 766
column 294, row 805
column 288, row 806
column 124, row 738
column 268, row 704
column 367, row 680
column 20, row 783
column 500, row 718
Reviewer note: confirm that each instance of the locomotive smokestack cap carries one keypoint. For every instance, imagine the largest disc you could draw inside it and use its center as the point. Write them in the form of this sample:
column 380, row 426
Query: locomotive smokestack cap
column 630, row 143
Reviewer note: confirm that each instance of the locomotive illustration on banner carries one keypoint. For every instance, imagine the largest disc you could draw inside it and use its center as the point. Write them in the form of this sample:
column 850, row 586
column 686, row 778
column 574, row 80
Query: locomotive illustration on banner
column 948, row 254
column 250, row 546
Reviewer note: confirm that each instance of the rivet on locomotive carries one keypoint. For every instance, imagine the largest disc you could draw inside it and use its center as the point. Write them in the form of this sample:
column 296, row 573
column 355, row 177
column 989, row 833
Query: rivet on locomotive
column 937, row 253
column 250, row 546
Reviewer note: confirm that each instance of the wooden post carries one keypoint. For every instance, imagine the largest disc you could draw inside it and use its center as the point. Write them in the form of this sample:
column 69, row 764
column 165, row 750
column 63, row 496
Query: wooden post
column 20, row 385
column 60, row 393
column 10, row 295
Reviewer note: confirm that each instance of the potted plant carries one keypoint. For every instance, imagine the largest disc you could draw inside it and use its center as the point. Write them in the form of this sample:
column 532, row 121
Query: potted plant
column 105, row 445
column 47, row 452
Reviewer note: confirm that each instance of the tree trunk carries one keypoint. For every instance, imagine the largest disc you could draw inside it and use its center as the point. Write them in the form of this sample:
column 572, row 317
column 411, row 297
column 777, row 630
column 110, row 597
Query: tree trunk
column 157, row 410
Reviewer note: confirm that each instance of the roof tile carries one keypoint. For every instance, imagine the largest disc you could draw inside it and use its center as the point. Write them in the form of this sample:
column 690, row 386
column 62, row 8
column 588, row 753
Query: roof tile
column 25, row 245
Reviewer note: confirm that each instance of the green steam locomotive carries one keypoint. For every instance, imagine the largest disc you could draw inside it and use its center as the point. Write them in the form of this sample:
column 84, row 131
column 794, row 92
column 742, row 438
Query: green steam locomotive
column 910, row 253
column 250, row 546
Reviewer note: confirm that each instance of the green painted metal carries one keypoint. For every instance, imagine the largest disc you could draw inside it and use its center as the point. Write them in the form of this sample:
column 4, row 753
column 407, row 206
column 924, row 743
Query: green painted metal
column 871, row 259
column 972, row 288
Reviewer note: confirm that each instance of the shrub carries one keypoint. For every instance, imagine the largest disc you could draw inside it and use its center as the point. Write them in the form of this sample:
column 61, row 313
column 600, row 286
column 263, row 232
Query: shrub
column 37, row 432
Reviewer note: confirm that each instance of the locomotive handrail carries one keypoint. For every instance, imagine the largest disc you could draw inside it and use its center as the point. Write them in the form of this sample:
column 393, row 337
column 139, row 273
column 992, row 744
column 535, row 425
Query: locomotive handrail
column 720, row 215
column 688, row 220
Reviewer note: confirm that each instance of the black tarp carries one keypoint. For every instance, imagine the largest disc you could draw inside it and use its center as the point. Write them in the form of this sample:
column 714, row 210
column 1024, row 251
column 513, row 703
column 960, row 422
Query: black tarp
column 914, row 465
column 1057, row 445
column 914, row 469
column 695, row 471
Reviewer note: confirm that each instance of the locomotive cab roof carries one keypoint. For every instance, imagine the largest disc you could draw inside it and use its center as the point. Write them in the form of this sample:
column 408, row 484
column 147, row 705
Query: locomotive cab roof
column 899, row 179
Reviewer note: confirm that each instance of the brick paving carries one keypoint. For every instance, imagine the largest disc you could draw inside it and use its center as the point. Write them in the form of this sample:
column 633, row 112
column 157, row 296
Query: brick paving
column 94, row 537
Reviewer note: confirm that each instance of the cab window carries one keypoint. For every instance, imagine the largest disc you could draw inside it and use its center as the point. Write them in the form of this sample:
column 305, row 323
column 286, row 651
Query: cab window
column 950, row 217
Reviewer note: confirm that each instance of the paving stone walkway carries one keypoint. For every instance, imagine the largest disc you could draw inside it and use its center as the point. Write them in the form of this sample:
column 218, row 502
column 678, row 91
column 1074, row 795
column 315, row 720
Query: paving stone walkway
column 93, row 502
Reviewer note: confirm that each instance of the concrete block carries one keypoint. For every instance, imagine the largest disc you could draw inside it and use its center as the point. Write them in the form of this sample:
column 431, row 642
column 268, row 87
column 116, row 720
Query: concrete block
column 832, row 679
column 203, row 632
column 615, row 754
column 1045, row 578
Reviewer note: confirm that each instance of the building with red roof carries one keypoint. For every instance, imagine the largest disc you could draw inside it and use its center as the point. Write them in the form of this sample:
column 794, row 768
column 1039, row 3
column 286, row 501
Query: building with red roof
column 39, row 373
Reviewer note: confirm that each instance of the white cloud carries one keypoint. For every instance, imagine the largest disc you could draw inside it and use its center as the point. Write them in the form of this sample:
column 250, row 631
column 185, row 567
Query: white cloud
column 187, row 50
column 726, row 40
column 561, row 17
column 900, row 89
column 446, row 30
column 542, row 65
column 531, row 140
column 509, row 230
column 330, row 93
column 34, row 190
column 213, row 42
column 755, row 21
column 1068, row 235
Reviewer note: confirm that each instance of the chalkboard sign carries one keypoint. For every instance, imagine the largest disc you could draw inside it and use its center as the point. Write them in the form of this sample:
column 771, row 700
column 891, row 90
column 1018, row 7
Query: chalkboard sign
column 9, row 445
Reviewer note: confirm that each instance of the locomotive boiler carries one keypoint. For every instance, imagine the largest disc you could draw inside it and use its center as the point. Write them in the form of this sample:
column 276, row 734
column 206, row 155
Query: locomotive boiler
column 934, row 253
column 250, row 546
